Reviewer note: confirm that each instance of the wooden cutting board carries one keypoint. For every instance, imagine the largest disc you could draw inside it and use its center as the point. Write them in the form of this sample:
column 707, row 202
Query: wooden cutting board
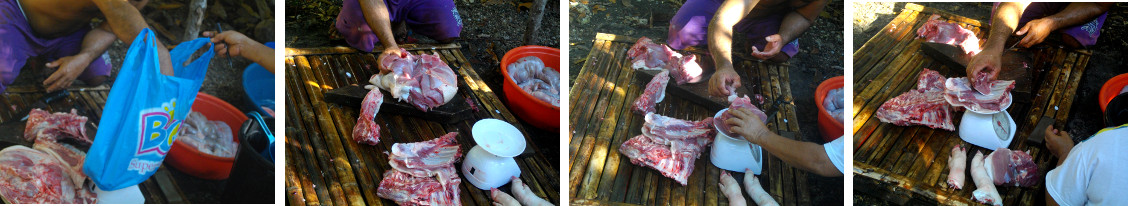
column 452, row 112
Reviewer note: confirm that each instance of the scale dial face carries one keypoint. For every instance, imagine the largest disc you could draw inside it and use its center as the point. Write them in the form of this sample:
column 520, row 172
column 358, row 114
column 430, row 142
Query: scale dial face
column 1001, row 122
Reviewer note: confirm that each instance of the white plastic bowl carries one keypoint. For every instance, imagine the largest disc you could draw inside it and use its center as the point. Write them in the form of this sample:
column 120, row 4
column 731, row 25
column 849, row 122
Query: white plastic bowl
column 991, row 131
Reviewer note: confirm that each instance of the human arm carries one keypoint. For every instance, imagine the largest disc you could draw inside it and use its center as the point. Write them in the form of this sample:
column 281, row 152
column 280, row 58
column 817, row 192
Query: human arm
column 380, row 20
column 1076, row 13
column 719, row 36
column 807, row 156
column 1005, row 20
column 125, row 21
column 96, row 42
column 793, row 25
column 240, row 45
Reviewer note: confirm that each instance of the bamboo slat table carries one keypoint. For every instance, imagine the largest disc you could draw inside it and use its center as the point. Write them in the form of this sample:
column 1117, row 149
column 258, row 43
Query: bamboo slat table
column 324, row 166
column 162, row 187
column 909, row 163
column 602, row 119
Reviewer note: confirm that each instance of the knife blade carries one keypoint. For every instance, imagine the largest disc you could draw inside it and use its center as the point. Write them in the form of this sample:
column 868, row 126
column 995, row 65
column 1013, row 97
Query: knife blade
column 11, row 132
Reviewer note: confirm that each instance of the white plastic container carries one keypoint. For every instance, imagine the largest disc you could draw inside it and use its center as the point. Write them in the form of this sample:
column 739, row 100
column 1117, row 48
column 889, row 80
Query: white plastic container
column 490, row 163
column 734, row 153
column 991, row 131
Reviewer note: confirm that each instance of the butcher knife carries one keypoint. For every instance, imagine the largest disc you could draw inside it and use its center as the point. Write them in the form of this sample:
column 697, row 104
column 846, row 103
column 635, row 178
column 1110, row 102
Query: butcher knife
column 452, row 112
column 11, row 131
column 1039, row 134
column 694, row 92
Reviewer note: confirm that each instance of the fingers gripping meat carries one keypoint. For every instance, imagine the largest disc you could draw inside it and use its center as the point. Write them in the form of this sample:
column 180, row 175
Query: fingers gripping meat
column 957, row 163
column 985, row 191
column 731, row 189
column 756, row 191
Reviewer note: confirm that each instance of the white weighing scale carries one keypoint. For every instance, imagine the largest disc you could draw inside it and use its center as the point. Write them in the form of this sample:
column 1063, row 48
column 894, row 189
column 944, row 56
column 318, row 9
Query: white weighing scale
column 734, row 153
column 490, row 164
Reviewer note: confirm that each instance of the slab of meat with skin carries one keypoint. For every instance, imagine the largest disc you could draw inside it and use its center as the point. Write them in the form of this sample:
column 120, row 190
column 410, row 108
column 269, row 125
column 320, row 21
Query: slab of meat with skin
column 59, row 125
column 530, row 74
column 957, row 167
column 407, row 189
column 985, row 191
column 654, row 93
column 924, row 105
column 958, row 93
column 939, row 31
column 366, row 130
column 424, row 159
column 29, row 176
column 524, row 195
column 423, row 172
column 424, row 81
column 756, row 191
column 669, row 145
column 1013, row 168
column 731, row 190
column 982, row 83
column 647, row 55
column 71, row 157
column 737, row 103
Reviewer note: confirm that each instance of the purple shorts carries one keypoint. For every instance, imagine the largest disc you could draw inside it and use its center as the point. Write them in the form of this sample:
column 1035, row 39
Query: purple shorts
column 1086, row 33
column 20, row 43
column 436, row 19
column 690, row 25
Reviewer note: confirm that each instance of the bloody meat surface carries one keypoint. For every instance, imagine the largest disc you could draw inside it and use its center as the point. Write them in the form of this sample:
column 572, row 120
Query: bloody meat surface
column 669, row 145
column 366, row 130
column 654, row 93
column 423, row 173
column 924, row 105
column 647, row 55
column 424, row 80
column 940, row 31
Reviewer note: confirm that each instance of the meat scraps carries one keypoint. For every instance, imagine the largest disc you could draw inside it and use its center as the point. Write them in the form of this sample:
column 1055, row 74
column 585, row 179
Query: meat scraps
column 647, row 55
column 957, row 165
column 531, row 75
column 1013, row 168
column 669, row 145
column 423, row 172
column 42, row 124
column 834, row 104
column 421, row 80
column 959, row 93
column 939, row 31
column 366, row 130
column 29, row 176
column 210, row 137
column 924, row 105
column 738, row 103
column 653, row 94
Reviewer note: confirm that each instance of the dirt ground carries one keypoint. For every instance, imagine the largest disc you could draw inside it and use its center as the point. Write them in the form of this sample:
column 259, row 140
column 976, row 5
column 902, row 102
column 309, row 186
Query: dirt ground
column 819, row 58
column 1107, row 60
column 490, row 28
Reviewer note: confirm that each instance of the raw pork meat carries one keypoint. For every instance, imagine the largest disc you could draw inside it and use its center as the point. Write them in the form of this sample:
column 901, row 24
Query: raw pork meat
column 423, row 173
column 366, row 130
column 29, row 176
column 669, row 145
column 71, row 157
column 834, row 104
column 957, row 167
column 985, row 191
column 1013, row 168
column 422, row 80
column 653, row 94
column 939, row 31
column 530, row 74
column 525, row 196
column 647, row 55
column 756, row 191
column 737, row 103
column 731, row 190
column 43, row 124
column 958, row 92
column 924, row 105
column 211, row 137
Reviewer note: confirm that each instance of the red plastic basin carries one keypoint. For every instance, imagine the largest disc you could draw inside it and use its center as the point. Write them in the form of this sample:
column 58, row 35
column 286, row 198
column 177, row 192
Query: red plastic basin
column 1111, row 88
column 829, row 127
column 193, row 162
column 538, row 113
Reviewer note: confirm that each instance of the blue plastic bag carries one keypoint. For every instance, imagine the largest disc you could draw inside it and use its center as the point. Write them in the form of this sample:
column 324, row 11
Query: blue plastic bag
column 143, row 112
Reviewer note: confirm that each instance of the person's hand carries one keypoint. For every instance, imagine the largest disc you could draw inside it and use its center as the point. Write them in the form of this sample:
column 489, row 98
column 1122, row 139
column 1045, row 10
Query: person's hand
column 388, row 52
column 989, row 61
column 229, row 41
column 747, row 125
column 68, row 69
column 1058, row 142
column 775, row 42
column 722, row 80
column 1036, row 31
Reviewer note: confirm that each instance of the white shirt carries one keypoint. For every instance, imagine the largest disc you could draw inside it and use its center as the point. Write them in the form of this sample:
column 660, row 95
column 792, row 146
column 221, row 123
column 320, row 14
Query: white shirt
column 1093, row 172
column 834, row 152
